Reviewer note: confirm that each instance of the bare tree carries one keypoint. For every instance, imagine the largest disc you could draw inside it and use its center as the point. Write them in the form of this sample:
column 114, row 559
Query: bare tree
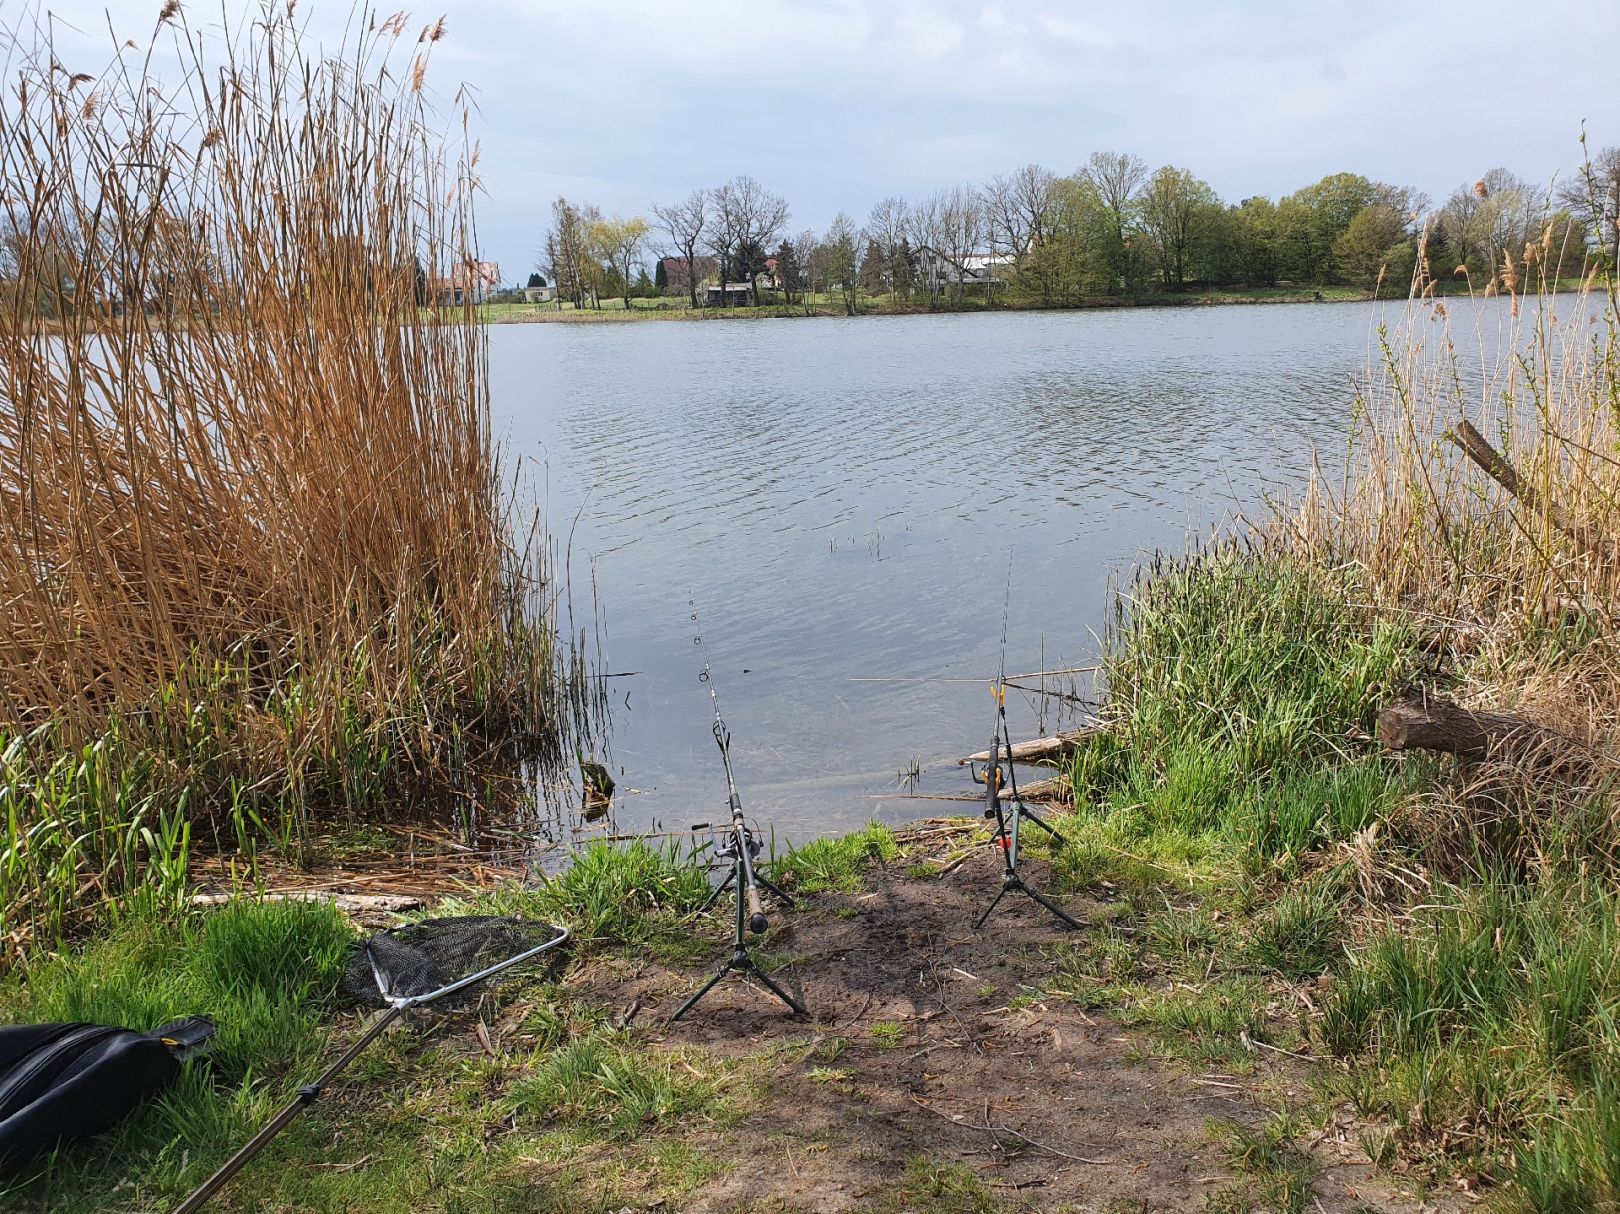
column 925, row 234
column 886, row 227
column 1593, row 198
column 568, row 248
column 748, row 219
column 686, row 223
column 946, row 230
column 812, row 267
column 1017, row 210
column 841, row 251
column 1116, row 176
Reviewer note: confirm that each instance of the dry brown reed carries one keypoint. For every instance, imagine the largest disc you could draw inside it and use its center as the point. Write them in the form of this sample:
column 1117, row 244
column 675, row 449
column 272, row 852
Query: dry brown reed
column 252, row 524
column 1514, row 573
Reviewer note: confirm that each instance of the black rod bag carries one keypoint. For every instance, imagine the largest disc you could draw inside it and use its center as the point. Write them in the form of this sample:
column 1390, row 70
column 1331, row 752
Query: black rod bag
column 62, row 1082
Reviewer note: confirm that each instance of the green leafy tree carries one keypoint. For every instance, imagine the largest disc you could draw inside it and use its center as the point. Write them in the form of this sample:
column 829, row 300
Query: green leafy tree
column 1311, row 220
column 1373, row 249
column 1117, row 176
column 1175, row 209
column 1256, row 234
column 1075, row 258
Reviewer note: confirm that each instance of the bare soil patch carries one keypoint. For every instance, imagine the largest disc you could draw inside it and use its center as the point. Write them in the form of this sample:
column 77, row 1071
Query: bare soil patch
column 932, row 1043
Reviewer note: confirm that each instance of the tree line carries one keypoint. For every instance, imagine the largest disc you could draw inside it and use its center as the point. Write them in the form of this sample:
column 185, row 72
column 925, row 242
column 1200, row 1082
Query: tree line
column 1111, row 228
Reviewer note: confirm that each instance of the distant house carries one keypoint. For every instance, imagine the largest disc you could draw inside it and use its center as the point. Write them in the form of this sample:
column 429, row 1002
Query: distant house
column 934, row 270
column 675, row 280
column 472, row 282
column 537, row 295
column 734, row 294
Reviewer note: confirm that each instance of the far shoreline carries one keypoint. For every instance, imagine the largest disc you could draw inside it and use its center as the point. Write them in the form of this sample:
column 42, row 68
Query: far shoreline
column 615, row 312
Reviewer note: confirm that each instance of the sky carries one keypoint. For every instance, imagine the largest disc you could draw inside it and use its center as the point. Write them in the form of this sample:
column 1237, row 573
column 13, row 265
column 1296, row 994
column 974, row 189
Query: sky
column 835, row 104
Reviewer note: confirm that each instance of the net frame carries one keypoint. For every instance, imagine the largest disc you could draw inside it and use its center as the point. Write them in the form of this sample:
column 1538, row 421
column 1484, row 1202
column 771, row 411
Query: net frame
column 433, row 960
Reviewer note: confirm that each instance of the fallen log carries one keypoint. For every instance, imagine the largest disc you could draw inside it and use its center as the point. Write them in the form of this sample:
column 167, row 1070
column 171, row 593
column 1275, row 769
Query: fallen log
column 370, row 910
column 1043, row 750
column 1056, row 790
column 1417, row 722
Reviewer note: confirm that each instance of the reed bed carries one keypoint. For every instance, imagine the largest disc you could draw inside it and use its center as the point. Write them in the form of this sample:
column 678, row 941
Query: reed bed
column 1513, row 570
column 257, row 553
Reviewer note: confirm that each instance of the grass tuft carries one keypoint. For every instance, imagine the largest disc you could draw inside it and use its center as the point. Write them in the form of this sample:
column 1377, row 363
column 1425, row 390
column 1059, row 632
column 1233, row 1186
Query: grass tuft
column 836, row 864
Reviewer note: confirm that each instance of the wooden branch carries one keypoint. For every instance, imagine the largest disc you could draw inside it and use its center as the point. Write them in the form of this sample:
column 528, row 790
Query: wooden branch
column 371, row 910
column 1495, row 465
column 1416, row 722
column 1043, row 750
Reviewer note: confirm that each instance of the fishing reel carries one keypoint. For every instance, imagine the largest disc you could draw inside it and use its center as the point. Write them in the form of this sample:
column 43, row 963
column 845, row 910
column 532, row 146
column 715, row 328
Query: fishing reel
column 990, row 778
column 724, row 839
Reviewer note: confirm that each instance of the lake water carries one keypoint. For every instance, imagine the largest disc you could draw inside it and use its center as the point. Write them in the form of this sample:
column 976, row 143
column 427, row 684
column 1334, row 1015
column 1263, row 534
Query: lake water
column 841, row 499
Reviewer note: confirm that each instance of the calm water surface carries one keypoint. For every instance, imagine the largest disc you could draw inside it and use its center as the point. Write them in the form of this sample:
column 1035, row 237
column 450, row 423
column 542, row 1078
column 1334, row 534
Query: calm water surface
column 841, row 498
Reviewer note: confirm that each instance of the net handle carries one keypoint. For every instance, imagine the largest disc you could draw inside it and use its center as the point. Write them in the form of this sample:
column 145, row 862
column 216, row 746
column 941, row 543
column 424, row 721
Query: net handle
column 397, row 1006
column 402, row 1003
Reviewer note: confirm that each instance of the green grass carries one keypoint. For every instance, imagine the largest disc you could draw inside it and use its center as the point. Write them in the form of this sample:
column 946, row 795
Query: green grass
column 266, row 973
column 887, row 1034
column 1245, row 839
column 600, row 1083
column 627, row 892
column 836, row 864
column 930, row 1187
column 1274, row 1175
column 417, row 1122
column 1494, row 1011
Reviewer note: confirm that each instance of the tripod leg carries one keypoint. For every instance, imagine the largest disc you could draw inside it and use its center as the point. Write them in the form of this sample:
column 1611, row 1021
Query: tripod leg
column 994, row 903
column 1052, row 906
column 1042, row 823
column 776, row 891
column 702, row 991
column 771, row 985
column 714, row 894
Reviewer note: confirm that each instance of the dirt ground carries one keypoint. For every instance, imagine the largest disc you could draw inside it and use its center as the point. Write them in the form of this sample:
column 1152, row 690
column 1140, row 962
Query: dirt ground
column 929, row 1039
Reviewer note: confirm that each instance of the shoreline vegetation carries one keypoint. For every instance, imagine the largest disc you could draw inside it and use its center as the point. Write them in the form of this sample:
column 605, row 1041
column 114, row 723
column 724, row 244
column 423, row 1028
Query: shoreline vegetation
column 1109, row 233
column 613, row 311
column 271, row 617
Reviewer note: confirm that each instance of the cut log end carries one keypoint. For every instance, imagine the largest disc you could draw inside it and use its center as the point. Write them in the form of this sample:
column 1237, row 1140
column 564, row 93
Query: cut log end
column 1437, row 724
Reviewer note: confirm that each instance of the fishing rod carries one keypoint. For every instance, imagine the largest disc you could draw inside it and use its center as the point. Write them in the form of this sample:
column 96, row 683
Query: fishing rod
column 998, row 773
column 738, row 843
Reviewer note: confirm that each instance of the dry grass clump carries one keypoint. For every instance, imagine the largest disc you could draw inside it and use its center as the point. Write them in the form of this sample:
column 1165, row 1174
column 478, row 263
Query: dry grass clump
column 254, row 541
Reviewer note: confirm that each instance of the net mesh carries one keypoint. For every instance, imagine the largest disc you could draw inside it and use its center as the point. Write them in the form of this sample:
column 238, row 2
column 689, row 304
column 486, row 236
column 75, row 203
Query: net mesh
column 421, row 957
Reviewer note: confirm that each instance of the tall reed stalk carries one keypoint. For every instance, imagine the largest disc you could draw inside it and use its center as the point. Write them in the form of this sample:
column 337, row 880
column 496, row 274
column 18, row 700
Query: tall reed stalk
column 256, row 558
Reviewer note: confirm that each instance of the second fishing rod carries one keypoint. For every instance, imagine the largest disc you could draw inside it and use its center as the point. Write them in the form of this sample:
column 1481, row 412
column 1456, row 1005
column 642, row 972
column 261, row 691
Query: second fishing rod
column 739, row 844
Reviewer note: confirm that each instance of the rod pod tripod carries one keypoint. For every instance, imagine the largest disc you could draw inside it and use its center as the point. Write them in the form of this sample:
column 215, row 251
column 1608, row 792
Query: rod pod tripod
column 742, row 847
column 1007, row 820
